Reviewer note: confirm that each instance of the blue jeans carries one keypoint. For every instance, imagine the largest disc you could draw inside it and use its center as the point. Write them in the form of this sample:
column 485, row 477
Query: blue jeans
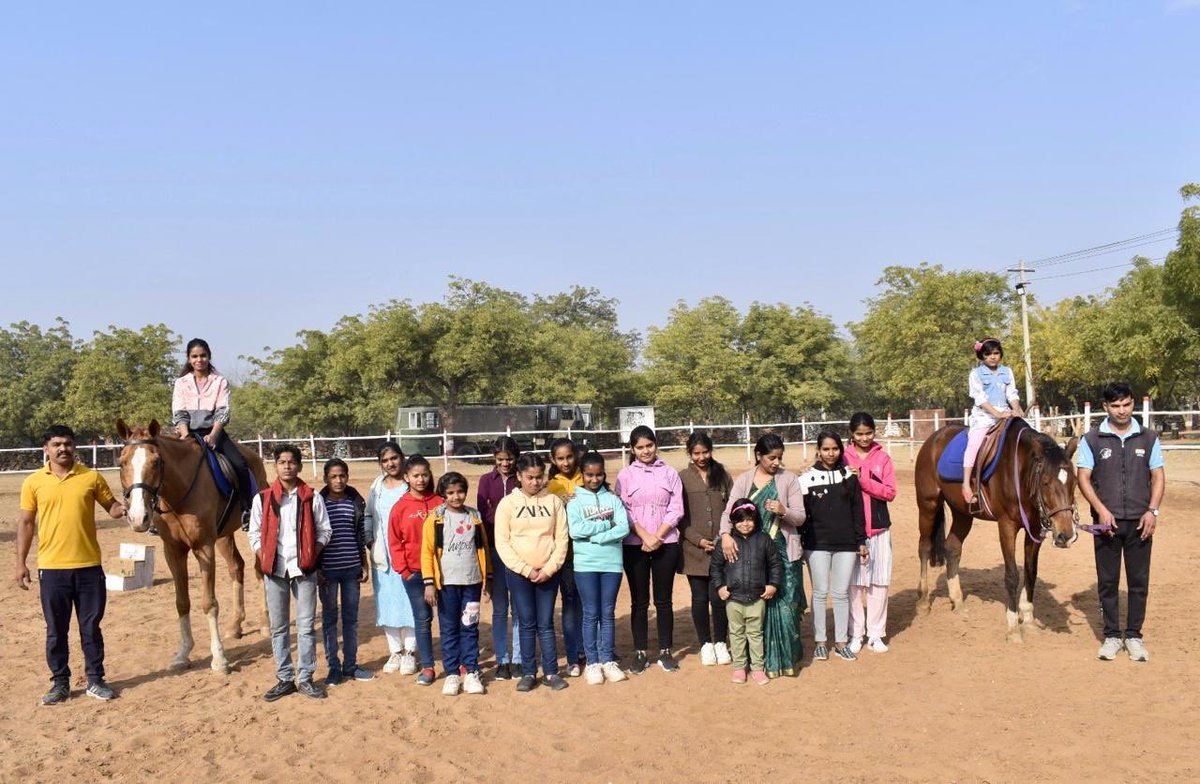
column 460, row 641
column 535, row 610
column 280, row 591
column 598, row 590
column 572, row 614
column 343, row 582
column 500, row 615
column 423, row 615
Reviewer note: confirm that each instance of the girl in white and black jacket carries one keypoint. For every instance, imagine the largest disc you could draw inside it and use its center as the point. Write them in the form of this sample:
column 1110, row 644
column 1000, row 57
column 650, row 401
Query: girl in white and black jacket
column 834, row 535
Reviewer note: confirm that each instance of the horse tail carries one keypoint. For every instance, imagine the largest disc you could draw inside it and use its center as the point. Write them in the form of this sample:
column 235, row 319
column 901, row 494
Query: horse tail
column 937, row 555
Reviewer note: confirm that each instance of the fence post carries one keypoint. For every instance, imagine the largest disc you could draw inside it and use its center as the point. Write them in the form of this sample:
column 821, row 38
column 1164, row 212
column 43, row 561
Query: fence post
column 260, row 452
column 691, row 427
column 1037, row 416
column 445, row 457
column 312, row 445
column 804, row 438
column 94, row 456
column 936, row 422
column 1087, row 417
column 749, row 452
column 1146, row 412
column 912, row 435
column 967, row 417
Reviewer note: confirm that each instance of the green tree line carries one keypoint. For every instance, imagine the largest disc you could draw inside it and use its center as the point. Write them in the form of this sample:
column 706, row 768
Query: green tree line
column 710, row 362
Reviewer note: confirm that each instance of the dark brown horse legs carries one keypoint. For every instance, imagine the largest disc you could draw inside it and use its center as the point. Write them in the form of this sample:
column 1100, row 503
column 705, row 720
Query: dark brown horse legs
column 1012, row 577
column 1032, row 549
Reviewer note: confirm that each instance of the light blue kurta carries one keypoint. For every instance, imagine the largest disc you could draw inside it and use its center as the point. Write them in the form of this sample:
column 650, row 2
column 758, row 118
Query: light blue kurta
column 392, row 607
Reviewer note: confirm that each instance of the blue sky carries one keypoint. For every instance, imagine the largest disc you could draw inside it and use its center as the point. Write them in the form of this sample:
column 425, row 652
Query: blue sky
column 244, row 171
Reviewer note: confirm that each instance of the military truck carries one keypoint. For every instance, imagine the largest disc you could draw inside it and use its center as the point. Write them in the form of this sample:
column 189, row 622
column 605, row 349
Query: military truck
column 533, row 426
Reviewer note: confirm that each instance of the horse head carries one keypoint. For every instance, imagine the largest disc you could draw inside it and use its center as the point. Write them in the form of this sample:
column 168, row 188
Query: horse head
column 1053, row 489
column 141, row 472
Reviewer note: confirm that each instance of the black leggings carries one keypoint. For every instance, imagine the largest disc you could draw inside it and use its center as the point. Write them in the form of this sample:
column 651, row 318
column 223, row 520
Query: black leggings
column 640, row 566
column 704, row 596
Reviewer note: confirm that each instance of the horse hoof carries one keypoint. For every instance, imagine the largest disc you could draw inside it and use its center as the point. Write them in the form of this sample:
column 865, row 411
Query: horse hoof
column 178, row 665
column 220, row 667
column 234, row 632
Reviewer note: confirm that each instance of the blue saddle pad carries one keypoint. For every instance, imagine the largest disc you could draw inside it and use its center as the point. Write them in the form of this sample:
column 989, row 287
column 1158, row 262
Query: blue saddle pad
column 950, row 464
column 214, row 466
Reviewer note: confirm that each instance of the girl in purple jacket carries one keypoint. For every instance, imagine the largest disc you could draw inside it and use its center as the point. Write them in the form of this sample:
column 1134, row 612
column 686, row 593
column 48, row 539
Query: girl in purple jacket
column 653, row 496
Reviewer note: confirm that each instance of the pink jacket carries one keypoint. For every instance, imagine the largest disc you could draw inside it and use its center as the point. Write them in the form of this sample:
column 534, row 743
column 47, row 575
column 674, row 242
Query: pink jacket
column 653, row 497
column 200, row 404
column 877, row 476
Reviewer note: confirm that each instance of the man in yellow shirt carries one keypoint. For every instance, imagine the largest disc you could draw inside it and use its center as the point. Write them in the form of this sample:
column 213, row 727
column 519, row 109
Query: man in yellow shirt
column 61, row 497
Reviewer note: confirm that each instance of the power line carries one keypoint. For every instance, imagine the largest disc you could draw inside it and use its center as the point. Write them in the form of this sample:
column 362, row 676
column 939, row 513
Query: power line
column 1089, row 271
column 1111, row 247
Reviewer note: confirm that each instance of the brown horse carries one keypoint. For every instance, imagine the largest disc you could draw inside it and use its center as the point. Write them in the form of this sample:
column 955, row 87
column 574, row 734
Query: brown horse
column 1031, row 493
column 159, row 468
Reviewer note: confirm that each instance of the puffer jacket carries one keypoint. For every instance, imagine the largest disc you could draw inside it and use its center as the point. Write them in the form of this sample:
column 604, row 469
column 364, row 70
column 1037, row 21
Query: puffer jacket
column 758, row 565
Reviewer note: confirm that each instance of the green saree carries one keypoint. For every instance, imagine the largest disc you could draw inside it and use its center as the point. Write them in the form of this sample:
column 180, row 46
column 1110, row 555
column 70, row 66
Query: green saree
column 781, row 628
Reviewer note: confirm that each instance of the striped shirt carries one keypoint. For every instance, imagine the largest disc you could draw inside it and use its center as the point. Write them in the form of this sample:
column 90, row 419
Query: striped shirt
column 342, row 550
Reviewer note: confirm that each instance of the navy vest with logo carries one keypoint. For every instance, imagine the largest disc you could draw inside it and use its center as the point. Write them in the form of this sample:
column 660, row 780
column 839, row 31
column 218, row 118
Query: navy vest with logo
column 1121, row 474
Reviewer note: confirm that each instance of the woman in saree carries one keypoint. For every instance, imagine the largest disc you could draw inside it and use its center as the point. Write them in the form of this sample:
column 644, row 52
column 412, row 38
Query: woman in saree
column 780, row 501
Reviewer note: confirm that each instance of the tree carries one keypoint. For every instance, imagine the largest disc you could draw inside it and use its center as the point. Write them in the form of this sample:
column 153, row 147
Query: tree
column 694, row 365
column 122, row 373
column 35, row 366
column 915, row 341
column 1182, row 288
column 798, row 363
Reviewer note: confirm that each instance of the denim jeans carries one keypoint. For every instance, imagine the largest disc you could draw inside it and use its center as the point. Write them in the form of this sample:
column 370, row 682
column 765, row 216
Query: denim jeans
column 572, row 614
column 343, row 582
column 500, row 615
column 598, row 592
column 535, row 610
column 82, row 589
column 460, row 641
column 423, row 615
column 280, row 591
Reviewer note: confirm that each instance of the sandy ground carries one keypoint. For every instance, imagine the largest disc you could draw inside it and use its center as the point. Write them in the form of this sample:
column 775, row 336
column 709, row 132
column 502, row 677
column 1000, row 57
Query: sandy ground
column 952, row 701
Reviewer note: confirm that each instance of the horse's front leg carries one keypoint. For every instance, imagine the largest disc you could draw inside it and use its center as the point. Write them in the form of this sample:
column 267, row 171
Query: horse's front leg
column 176, row 555
column 206, row 555
column 1012, row 577
column 1032, row 549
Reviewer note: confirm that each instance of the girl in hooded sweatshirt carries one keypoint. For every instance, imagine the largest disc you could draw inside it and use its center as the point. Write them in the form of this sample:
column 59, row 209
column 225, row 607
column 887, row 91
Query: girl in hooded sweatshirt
column 868, row 461
column 597, row 522
column 531, row 538
column 653, row 496
column 834, row 538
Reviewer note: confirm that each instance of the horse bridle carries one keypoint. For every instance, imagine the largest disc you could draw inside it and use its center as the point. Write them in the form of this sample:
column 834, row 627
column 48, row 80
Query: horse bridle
column 154, row 490
column 1045, row 518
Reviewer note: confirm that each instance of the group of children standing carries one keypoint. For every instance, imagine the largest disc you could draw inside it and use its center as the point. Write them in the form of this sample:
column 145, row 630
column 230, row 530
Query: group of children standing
column 544, row 531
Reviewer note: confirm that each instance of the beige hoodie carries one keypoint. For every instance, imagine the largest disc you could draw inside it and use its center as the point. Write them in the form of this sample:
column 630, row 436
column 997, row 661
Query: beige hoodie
column 531, row 532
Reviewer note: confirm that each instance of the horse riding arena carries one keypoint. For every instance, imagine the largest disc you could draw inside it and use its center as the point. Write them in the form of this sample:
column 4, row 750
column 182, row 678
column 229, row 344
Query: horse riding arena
column 951, row 701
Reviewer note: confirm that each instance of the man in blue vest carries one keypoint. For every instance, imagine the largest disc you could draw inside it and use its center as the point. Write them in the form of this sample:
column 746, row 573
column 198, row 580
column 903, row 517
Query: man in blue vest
column 1121, row 475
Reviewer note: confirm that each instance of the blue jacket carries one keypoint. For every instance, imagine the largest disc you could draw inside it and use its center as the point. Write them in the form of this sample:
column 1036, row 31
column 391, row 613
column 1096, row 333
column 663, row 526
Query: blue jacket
column 597, row 523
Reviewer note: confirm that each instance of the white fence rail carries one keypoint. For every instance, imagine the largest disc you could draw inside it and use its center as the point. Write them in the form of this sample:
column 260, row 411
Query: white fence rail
column 895, row 433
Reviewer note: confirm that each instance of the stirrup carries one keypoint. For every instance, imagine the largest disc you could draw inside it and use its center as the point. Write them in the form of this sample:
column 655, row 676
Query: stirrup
column 246, row 520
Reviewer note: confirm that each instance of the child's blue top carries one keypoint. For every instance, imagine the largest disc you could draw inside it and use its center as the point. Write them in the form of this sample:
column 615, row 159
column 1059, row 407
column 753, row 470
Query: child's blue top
column 597, row 523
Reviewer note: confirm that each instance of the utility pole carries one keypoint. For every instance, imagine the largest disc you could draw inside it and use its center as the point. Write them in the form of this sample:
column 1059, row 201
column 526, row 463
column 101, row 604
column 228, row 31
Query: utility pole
column 1022, row 285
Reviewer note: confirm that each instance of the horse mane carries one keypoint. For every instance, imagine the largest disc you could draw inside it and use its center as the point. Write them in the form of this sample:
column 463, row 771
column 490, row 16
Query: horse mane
column 1054, row 454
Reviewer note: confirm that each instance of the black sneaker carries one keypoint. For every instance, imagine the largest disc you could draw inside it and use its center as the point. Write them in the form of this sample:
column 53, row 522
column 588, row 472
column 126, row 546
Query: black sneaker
column 667, row 661
column 555, row 682
column 504, row 672
column 279, row 690
column 640, row 662
column 246, row 520
column 820, row 653
column 526, row 683
column 100, row 691
column 844, row 653
column 311, row 690
column 333, row 678
column 59, row 692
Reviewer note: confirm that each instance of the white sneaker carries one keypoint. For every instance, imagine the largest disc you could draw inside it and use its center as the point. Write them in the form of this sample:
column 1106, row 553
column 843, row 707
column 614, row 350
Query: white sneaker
column 1109, row 650
column 1136, row 650
column 473, row 684
column 451, row 686
column 595, row 675
column 613, row 672
column 393, row 663
column 722, row 651
column 876, row 645
column 408, row 663
column 856, row 644
column 574, row 671
column 708, row 654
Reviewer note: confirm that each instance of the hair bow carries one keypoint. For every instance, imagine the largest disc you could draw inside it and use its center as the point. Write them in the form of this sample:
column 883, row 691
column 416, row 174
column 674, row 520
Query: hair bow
column 752, row 507
column 979, row 345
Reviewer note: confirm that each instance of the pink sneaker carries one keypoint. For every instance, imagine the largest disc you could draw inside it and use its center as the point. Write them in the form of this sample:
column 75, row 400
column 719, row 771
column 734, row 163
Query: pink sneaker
column 739, row 676
column 760, row 677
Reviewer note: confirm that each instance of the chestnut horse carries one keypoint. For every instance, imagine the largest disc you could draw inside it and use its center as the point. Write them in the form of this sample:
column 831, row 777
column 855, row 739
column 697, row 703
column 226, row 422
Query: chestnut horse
column 1030, row 494
column 166, row 479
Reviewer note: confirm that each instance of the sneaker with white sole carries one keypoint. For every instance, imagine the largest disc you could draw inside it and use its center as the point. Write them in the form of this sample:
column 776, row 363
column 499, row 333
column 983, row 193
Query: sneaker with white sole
column 708, row 655
column 473, row 683
column 844, row 653
column 392, row 664
column 820, row 653
column 595, row 675
column 451, row 686
column 1136, row 650
column 1109, row 650
column 575, row 670
column 723, row 655
column 408, row 663
column 876, row 645
column 613, row 672
column 856, row 644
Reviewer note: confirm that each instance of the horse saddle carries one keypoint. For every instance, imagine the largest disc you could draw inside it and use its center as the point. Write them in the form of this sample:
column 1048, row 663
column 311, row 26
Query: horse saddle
column 950, row 464
column 222, row 470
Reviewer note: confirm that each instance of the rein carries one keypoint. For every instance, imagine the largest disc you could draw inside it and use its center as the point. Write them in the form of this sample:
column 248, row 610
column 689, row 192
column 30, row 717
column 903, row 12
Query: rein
column 1044, row 516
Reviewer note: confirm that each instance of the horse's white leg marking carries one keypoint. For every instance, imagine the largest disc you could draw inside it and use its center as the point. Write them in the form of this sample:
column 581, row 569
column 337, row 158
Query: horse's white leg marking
column 955, row 587
column 137, row 499
column 1023, row 604
column 214, row 635
column 186, row 643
